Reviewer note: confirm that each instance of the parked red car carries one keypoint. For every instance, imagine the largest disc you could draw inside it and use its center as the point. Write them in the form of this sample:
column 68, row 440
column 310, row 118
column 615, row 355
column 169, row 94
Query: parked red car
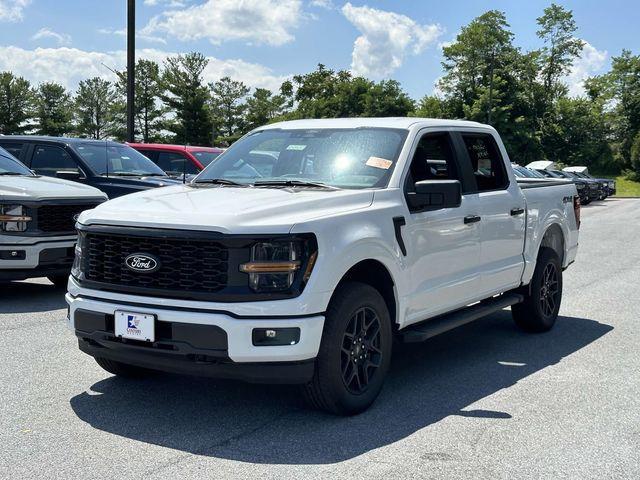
column 172, row 158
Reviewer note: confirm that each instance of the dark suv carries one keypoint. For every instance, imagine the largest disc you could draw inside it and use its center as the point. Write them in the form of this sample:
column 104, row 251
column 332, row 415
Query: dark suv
column 112, row 167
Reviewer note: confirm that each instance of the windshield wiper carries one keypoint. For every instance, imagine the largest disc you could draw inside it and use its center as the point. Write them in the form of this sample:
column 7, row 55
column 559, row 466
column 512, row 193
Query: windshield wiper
column 292, row 183
column 12, row 173
column 155, row 175
column 220, row 181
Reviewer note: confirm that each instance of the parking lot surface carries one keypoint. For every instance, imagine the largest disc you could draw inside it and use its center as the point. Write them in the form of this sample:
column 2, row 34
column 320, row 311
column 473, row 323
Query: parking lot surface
column 482, row 401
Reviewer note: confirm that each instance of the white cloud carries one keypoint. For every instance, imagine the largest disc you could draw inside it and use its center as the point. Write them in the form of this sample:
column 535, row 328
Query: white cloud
column 328, row 4
column 167, row 3
column 590, row 63
column 70, row 65
column 46, row 33
column 11, row 10
column 139, row 35
column 252, row 21
column 386, row 39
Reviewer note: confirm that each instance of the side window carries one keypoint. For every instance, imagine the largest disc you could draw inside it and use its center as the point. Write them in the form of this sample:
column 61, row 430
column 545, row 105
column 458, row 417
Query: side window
column 433, row 160
column 174, row 163
column 150, row 154
column 486, row 162
column 13, row 148
column 48, row 160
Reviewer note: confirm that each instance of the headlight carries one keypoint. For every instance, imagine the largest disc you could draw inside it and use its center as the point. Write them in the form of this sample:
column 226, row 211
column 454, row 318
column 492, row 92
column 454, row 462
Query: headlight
column 13, row 218
column 276, row 265
column 75, row 268
column 579, row 186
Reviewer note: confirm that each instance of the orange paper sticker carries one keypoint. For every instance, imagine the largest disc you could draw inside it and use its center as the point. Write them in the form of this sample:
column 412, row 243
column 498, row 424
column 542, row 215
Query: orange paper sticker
column 377, row 162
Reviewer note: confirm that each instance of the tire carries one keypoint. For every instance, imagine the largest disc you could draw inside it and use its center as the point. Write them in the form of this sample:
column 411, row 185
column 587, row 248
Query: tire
column 539, row 311
column 60, row 281
column 122, row 369
column 357, row 329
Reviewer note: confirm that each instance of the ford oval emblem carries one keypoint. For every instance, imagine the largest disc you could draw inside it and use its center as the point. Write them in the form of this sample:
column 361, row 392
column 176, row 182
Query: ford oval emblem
column 142, row 262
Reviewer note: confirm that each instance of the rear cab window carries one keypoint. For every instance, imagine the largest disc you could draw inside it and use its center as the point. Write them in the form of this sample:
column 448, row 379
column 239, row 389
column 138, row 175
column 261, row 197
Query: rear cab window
column 486, row 161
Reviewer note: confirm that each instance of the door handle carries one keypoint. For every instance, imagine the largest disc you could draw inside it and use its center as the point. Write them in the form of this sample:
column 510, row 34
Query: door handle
column 517, row 211
column 472, row 219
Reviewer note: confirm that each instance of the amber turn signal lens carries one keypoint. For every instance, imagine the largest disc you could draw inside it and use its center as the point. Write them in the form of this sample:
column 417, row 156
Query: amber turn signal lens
column 270, row 267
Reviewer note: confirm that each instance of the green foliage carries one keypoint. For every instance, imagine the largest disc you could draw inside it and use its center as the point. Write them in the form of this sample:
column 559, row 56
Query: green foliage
column 53, row 110
column 187, row 97
column 263, row 107
column 16, row 104
column 94, row 101
column 227, row 106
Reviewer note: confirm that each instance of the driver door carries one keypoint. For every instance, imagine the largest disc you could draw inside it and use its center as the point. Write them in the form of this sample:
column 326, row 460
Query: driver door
column 443, row 246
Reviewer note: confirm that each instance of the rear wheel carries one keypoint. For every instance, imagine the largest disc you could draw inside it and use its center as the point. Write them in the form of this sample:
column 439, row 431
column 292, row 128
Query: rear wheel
column 122, row 369
column 355, row 352
column 539, row 311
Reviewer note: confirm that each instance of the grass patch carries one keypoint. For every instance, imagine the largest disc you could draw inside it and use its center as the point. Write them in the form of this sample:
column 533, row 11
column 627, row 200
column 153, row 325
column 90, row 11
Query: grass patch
column 627, row 188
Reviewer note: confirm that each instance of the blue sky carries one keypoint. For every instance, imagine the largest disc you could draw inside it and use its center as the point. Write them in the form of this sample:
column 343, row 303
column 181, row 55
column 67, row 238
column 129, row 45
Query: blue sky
column 263, row 42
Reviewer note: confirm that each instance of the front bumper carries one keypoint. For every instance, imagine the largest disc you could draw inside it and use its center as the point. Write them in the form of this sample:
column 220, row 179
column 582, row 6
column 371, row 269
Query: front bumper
column 22, row 258
column 197, row 341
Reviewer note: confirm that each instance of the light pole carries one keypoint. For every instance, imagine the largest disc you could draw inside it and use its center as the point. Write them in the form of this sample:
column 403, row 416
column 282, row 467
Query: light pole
column 131, row 66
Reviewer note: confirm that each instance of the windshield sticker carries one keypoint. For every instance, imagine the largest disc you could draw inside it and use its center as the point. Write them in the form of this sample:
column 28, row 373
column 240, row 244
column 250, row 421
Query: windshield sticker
column 377, row 162
column 296, row 147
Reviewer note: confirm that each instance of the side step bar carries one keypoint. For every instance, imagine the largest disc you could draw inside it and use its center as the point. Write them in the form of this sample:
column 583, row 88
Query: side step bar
column 435, row 326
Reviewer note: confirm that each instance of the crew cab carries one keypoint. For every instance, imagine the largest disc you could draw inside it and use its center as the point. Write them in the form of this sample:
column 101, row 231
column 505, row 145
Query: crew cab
column 37, row 224
column 359, row 231
column 112, row 167
column 178, row 160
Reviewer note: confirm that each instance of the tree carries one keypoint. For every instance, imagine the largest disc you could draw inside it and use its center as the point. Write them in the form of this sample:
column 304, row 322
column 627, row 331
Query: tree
column 263, row 107
column 477, row 64
column 148, row 109
column 227, row 106
column 561, row 48
column 187, row 98
column 94, row 101
column 387, row 99
column 53, row 110
column 16, row 104
column 430, row 106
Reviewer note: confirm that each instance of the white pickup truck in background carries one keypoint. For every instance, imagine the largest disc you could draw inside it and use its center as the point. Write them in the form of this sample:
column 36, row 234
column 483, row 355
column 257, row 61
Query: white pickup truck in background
column 37, row 222
column 301, row 252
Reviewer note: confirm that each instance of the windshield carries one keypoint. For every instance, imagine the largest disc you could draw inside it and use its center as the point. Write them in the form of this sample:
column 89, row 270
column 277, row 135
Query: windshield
column 9, row 165
column 205, row 158
column 123, row 160
column 343, row 158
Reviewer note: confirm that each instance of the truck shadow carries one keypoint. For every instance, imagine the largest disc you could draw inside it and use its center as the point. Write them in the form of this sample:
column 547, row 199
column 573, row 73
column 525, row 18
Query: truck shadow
column 267, row 424
column 29, row 297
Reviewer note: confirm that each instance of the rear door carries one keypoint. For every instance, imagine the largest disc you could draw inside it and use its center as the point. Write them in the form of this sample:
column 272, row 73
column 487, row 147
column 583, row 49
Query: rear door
column 443, row 246
column 54, row 161
column 502, row 212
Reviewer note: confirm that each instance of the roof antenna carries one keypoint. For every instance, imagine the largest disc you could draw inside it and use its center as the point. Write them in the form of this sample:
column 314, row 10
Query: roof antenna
column 184, row 166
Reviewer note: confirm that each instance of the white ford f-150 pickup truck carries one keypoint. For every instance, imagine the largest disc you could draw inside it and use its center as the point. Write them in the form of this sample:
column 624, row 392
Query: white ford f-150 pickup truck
column 304, row 249
column 37, row 222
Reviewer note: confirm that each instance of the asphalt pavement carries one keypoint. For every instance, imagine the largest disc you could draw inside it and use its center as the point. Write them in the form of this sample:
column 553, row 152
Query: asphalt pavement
column 482, row 401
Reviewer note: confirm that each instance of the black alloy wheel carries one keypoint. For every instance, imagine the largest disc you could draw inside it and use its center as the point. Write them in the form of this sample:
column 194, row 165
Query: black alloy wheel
column 361, row 350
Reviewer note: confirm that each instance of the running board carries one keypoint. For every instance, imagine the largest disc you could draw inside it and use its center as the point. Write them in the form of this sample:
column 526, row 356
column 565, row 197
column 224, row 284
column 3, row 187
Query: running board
column 435, row 326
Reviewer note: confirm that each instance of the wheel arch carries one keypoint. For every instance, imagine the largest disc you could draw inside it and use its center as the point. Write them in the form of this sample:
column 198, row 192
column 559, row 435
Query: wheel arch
column 554, row 238
column 374, row 273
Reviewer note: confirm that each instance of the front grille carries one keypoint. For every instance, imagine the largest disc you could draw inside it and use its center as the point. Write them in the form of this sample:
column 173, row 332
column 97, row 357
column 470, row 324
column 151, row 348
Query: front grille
column 59, row 218
column 185, row 264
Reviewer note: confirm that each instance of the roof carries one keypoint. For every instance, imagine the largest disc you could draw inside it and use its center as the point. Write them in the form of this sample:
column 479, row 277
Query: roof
column 388, row 122
column 181, row 148
column 65, row 140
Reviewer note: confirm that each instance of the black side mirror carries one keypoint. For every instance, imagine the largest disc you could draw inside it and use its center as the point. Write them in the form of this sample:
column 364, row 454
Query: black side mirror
column 435, row 194
column 69, row 174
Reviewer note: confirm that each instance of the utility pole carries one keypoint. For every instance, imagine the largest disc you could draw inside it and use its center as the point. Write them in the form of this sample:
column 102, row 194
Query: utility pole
column 131, row 66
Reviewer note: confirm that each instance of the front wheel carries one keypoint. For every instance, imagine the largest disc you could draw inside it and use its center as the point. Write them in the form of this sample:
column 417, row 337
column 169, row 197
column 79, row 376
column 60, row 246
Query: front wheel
column 539, row 311
column 355, row 351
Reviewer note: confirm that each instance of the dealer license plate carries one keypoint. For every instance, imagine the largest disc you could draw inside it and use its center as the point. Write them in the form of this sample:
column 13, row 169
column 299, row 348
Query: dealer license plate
column 137, row 326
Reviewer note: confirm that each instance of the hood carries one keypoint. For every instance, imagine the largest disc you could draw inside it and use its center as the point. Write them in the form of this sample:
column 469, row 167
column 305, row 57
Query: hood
column 140, row 182
column 38, row 188
column 226, row 209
